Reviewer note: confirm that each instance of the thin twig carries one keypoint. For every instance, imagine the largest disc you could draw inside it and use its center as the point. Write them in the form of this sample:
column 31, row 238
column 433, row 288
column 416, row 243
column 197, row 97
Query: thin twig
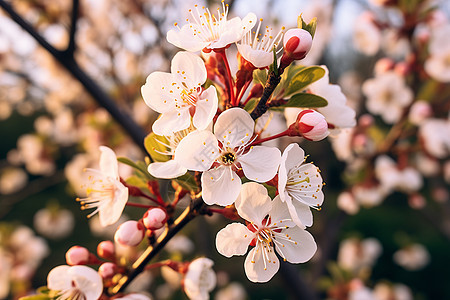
column 73, row 27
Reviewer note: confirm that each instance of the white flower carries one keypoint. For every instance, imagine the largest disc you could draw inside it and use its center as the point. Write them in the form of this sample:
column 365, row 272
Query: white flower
column 171, row 168
column 54, row 223
column 105, row 192
column 206, row 30
column 178, row 94
column 258, row 50
column 355, row 254
column 369, row 196
column 413, row 257
column 387, row 95
column 299, row 185
column 391, row 178
column 134, row 296
column 200, row 279
column 436, row 137
column 77, row 282
column 367, row 37
column 234, row 291
column 226, row 151
column 438, row 64
column 270, row 226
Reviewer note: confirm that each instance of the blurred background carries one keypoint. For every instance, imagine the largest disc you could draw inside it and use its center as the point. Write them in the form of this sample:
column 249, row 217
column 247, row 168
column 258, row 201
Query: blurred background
column 383, row 232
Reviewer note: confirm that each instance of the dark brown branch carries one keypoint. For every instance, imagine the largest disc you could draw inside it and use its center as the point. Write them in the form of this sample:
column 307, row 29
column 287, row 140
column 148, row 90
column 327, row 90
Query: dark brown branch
column 68, row 62
column 73, row 27
column 270, row 86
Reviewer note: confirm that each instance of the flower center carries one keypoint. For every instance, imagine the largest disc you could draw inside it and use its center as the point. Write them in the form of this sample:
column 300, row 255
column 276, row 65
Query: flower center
column 228, row 158
column 188, row 97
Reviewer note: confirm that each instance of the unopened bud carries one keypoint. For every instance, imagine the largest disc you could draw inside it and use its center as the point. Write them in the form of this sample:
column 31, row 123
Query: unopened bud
column 154, row 218
column 77, row 255
column 107, row 270
column 297, row 43
column 311, row 125
column 106, row 250
column 130, row 233
column 420, row 111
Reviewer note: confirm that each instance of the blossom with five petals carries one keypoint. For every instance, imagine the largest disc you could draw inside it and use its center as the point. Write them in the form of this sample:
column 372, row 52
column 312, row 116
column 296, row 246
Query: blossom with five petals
column 105, row 192
column 227, row 150
column 299, row 185
column 77, row 282
column 206, row 30
column 179, row 95
column 269, row 226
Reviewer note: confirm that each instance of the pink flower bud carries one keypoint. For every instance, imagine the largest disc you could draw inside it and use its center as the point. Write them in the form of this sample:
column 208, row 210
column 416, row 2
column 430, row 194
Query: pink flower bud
column 383, row 65
column 130, row 233
column 106, row 250
column 154, row 218
column 297, row 43
column 420, row 111
column 311, row 125
column 107, row 270
column 77, row 255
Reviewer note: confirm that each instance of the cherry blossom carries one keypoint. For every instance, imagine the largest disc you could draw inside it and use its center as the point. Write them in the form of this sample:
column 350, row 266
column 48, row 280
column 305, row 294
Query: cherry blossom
column 77, row 282
column 200, row 279
column 269, row 226
column 258, row 50
column 179, row 94
column 206, row 30
column 105, row 192
column 227, row 150
column 299, row 185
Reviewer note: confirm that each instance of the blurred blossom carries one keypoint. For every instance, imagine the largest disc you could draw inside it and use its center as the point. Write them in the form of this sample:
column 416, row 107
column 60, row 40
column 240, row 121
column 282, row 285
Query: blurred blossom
column 172, row 277
column 180, row 244
column 32, row 153
column 369, row 196
column 367, row 36
column 391, row 177
column 12, row 180
column 342, row 144
column 426, row 165
column 387, row 95
column 420, row 110
column 413, row 257
column 6, row 262
column 355, row 254
column 437, row 65
column 347, row 203
column 435, row 134
column 200, row 279
column 386, row 291
column 233, row 291
column 53, row 222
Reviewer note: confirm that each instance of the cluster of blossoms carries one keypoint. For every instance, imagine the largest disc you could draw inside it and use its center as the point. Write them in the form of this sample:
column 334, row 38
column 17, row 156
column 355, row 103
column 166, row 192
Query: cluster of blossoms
column 207, row 140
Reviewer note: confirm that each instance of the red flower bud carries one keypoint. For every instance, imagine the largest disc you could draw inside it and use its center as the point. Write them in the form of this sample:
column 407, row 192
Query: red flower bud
column 154, row 218
column 77, row 255
column 297, row 43
column 130, row 233
column 311, row 125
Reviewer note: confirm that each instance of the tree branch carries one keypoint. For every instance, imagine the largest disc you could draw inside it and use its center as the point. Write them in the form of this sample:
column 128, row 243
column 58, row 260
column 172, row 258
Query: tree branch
column 73, row 28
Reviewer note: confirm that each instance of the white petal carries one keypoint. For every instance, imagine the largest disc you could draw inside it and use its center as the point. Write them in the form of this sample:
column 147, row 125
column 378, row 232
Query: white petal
column 186, row 39
column 261, row 264
column 259, row 58
column 108, row 163
column 221, row 186
column 253, row 203
column 300, row 213
column 197, row 151
column 172, row 121
column 87, row 280
column 260, row 163
column 206, row 108
column 156, row 91
column 111, row 211
column 232, row 34
column 292, row 156
column 234, row 127
column 279, row 214
column 167, row 170
column 248, row 22
column 233, row 239
column 299, row 245
column 57, row 279
column 189, row 68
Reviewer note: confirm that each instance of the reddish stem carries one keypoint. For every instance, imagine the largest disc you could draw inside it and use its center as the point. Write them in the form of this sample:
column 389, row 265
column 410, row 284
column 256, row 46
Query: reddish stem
column 230, row 80
column 259, row 141
column 139, row 205
column 242, row 92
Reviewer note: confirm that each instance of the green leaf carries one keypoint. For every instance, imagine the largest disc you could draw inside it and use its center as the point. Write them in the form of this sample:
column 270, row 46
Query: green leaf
column 310, row 27
column 139, row 166
column 303, row 78
column 187, row 181
column 306, row 100
column 251, row 104
column 274, row 66
column 137, row 181
column 260, row 76
column 154, row 144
